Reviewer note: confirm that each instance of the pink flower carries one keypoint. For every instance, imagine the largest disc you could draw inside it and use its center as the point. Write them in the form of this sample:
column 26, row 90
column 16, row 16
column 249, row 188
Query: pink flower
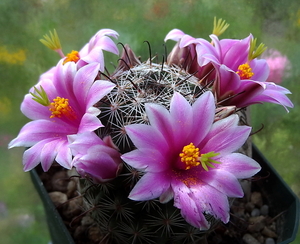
column 240, row 78
column 279, row 65
column 63, row 106
column 95, row 158
column 93, row 50
column 187, row 157
column 187, row 57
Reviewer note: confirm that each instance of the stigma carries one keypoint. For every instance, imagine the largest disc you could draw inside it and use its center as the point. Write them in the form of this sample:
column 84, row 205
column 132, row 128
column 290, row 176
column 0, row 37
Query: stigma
column 60, row 108
column 72, row 57
column 245, row 71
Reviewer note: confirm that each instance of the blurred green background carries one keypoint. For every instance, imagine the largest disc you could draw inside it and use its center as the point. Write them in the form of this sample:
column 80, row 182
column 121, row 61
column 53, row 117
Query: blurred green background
column 23, row 58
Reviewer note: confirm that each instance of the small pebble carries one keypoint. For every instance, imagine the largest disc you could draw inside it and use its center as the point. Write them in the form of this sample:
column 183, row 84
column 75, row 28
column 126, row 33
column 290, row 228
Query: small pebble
column 268, row 232
column 256, row 224
column 255, row 212
column 264, row 210
column 269, row 241
column 58, row 197
column 249, row 239
column 256, row 199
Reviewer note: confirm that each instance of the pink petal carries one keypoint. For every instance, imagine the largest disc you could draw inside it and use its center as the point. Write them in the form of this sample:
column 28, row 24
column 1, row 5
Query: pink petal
column 218, row 127
column 89, row 122
column 39, row 130
column 212, row 201
column 174, row 35
column 182, row 118
column 159, row 118
column 108, row 45
column 98, row 90
column 150, row 186
column 203, row 110
column 145, row 136
column 64, row 156
column 63, row 80
column 239, row 165
column 49, row 152
column 32, row 156
column 222, row 180
column 189, row 208
column 228, row 140
column 153, row 162
column 83, row 81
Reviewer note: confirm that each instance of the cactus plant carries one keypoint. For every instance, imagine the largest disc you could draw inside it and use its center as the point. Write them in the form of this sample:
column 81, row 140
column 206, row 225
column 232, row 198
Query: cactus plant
column 155, row 143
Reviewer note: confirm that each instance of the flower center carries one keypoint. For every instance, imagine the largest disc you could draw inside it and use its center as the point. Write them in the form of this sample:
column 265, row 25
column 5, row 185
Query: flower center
column 60, row 107
column 190, row 157
column 72, row 57
column 245, row 71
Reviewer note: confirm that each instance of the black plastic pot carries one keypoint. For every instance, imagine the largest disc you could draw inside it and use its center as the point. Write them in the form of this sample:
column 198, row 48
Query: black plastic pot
column 278, row 194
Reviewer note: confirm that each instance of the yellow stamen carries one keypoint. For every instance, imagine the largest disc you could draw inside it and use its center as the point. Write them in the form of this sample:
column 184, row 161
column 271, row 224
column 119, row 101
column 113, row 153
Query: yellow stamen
column 190, row 155
column 72, row 57
column 60, row 107
column 245, row 71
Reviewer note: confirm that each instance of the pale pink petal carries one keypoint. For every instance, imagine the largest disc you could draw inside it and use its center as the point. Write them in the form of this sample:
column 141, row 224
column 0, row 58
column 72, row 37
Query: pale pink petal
column 174, row 35
column 243, row 166
column 222, row 180
column 203, row 120
column 212, row 201
column 99, row 89
column 189, row 209
column 154, row 162
column 159, row 118
column 144, row 136
column 64, row 156
column 83, row 81
column 89, row 122
column 181, row 116
column 150, row 186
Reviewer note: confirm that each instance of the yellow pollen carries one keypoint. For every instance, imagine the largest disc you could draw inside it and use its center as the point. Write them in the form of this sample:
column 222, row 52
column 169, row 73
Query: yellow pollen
column 190, row 156
column 72, row 57
column 60, row 107
column 245, row 71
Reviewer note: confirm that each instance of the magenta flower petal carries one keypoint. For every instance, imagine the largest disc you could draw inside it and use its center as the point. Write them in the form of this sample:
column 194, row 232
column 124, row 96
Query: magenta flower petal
column 226, row 141
column 93, row 50
column 154, row 161
column 64, row 155
column 202, row 120
column 160, row 119
column 164, row 155
column 49, row 153
column 174, row 35
column 188, row 206
column 218, row 203
column 244, row 166
column 31, row 157
column 94, row 158
column 80, row 115
column 224, row 181
column 38, row 130
column 181, row 116
column 232, row 86
column 150, row 186
column 144, row 136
